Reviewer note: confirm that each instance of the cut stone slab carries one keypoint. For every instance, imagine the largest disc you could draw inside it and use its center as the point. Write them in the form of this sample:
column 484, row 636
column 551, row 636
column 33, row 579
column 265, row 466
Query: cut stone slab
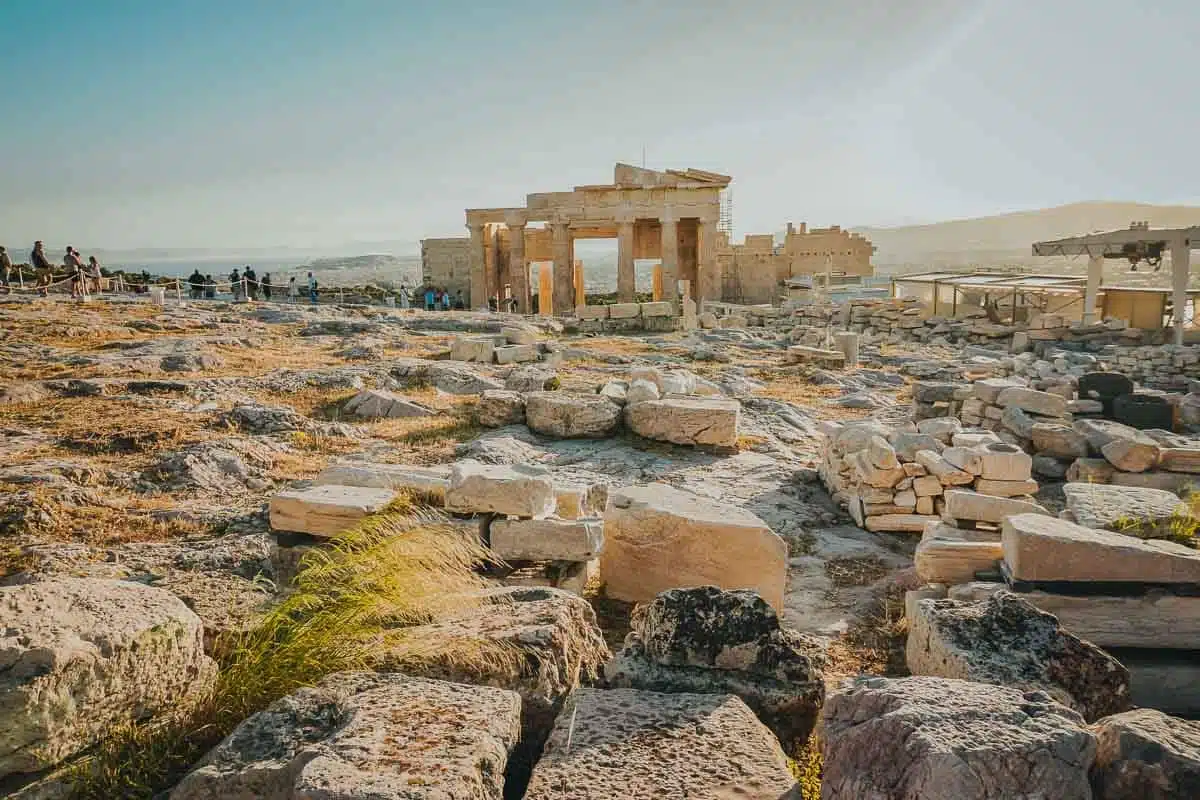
column 658, row 537
column 1096, row 505
column 519, row 334
column 382, row 404
column 515, row 353
column 637, row 745
column 624, row 310
column 1007, row 641
column 517, row 490
column 709, row 641
column 988, row 390
column 967, row 505
column 500, row 407
column 1004, row 462
column 547, row 539
column 326, row 510
column 942, row 739
column 1059, row 441
column 968, row 459
column 571, row 416
column 942, row 469
column 1090, row 470
column 1033, row 401
column 1178, row 483
column 531, row 378
column 706, row 421
column 1126, row 448
column 473, row 348
column 359, row 735
column 430, row 482
column 1038, row 548
column 1146, row 755
column 82, row 656
column 578, row 502
column 1154, row 620
column 1180, row 459
column 898, row 523
column 953, row 561
column 1006, row 488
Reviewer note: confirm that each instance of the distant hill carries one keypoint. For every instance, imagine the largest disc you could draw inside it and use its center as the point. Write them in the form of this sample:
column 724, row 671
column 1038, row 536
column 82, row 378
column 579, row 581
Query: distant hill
column 1007, row 238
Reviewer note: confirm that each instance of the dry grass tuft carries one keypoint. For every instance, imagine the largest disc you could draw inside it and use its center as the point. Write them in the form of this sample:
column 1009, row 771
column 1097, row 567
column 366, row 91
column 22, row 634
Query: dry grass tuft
column 874, row 645
column 850, row 571
column 97, row 517
column 428, row 440
column 402, row 568
column 807, row 768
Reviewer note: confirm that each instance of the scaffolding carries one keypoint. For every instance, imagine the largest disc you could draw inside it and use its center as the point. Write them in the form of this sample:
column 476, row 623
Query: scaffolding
column 725, row 219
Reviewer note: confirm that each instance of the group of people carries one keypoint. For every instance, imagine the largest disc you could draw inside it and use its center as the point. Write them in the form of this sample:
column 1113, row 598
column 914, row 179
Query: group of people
column 435, row 299
column 84, row 278
column 245, row 284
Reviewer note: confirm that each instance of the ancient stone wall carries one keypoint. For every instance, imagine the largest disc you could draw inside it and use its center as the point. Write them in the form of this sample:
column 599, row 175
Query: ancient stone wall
column 446, row 263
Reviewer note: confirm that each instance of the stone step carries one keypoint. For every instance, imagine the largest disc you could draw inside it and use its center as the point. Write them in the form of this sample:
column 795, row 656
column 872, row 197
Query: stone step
column 547, row 539
column 430, row 482
column 638, row 745
column 1038, row 548
column 518, row 490
column 899, row 523
column 326, row 510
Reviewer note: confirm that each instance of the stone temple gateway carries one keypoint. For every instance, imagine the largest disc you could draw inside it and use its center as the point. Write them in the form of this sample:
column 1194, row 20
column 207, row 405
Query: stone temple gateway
column 672, row 216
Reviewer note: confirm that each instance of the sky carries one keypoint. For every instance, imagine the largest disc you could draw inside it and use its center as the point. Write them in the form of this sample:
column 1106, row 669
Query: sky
column 313, row 124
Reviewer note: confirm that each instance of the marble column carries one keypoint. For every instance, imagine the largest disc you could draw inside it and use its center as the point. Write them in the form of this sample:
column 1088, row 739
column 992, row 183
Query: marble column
column 564, row 270
column 706, row 262
column 478, row 263
column 670, row 259
column 518, row 271
column 580, row 291
column 626, row 277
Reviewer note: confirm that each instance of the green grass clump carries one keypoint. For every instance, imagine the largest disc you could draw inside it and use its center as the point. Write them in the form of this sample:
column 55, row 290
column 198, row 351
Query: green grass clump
column 349, row 603
column 1182, row 527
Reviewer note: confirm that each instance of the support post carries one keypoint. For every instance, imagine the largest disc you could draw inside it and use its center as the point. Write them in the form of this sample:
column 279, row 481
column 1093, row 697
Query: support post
column 626, row 286
column 518, row 271
column 478, row 270
column 1095, row 274
column 1180, row 260
column 546, row 300
column 564, row 272
column 580, row 292
column 670, row 258
column 656, row 283
column 706, row 262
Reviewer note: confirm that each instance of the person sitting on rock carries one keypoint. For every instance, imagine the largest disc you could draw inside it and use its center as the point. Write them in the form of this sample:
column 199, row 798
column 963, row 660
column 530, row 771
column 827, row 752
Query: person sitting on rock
column 6, row 267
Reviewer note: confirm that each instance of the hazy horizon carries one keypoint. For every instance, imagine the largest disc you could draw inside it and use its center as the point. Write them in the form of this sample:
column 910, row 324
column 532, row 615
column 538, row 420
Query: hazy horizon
column 235, row 127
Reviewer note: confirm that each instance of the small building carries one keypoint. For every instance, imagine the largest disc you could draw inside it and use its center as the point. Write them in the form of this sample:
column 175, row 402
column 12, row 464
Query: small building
column 446, row 264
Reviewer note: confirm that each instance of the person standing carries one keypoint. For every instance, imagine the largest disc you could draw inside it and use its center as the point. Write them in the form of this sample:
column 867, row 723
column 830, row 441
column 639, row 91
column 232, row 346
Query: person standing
column 93, row 270
column 293, row 290
column 6, row 266
column 235, row 279
column 430, row 296
column 210, row 288
column 42, row 268
column 74, row 268
column 312, row 289
column 266, row 286
column 251, row 279
column 405, row 296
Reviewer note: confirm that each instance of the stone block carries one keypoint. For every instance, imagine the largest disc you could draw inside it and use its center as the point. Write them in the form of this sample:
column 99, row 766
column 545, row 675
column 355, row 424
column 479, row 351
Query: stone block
column 500, row 407
column 953, row 561
column 571, row 416
column 907, row 445
column 964, row 458
column 382, row 404
column 1154, row 620
column 577, row 502
column 1115, row 507
column 547, row 539
column 1004, row 462
column 658, row 309
column 367, row 735
column 519, row 334
column 988, row 390
column 1033, row 401
column 962, row 504
column 472, row 348
column 881, row 454
column 940, row 428
column 427, row 482
column 1059, row 441
column 898, row 523
column 515, row 353
column 624, row 311
column 1180, row 459
column 1179, row 483
column 658, row 537
column 1090, row 470
column 943, row 470
column 927, row 486
column 82, row 657
column 326, row 510
column 1043, row 549
column 1006, row 488
column 591, row 312
column 1006, row 641
column 518, row 490
column 638, row 745
column 970, row 439
column 705, row 421
column 943, row 739
column 1144, row 754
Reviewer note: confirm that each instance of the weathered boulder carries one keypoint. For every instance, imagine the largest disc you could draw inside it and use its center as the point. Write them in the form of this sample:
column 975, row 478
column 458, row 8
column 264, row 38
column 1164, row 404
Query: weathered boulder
column 1124, row 447
column 707, row 421
column 473, row 348
column 1044, row 403
column 635, row 745
column 459, row 379
column 326, row 510
column 1044, row 549
column 926, row 738
column 640, row 390
column 709, row 641
column 531, row 378
column 362, row 735
column 382, row 404
column 1095, row 505
column 500, row 407
column 520, row 490
column 1146, row 755
column 1006, row 641
column 519, row 334
column 658, row 537
column 81, row 656
column 1059, row 441
column 571, row 416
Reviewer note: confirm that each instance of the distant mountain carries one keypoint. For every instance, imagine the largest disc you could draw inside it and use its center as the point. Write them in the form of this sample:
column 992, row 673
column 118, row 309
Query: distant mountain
column 1008, row 238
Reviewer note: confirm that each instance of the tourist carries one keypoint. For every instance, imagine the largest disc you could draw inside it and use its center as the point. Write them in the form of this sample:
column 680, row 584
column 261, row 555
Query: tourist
column 405, row 296
column 6, row 266
column 196, row 281
column 74, row 268
column 312, row 289
column 293, row 290
column 266, row 286
column 42, row 269
column 94, row 273
column 251, row 282
column 210, row 288
column 235, row 284
column 430, row 297
column 458, row 300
